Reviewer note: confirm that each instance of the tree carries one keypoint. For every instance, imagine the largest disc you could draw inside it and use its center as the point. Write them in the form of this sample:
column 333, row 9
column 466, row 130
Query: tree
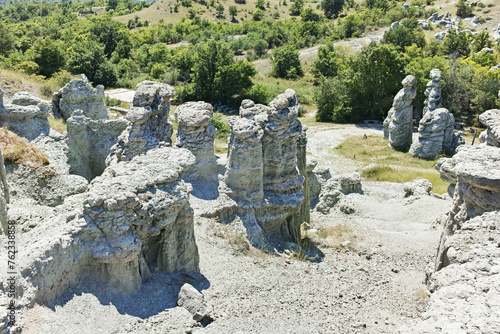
column 233, row 11
column 49, row 56
column 332, row 8
column 481, row 41
column 88, row 57
column 260, row 47
column 286, row 63
column 404, row 35
column 109, row 32
column 216, row 76
column 328, row 62
column 332, row 101
column 6, row 40
column 309, row 15
column 220, row 9
column 463, row 10
column 457, row 43
column 297, row 7
column 261, row 4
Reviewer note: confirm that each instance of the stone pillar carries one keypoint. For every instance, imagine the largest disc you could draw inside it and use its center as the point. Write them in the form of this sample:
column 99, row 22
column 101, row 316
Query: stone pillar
column 243, row 175
column 305, row 211
column 80, row 95
column 401, row 123
column 196, row 133
column 433, row 92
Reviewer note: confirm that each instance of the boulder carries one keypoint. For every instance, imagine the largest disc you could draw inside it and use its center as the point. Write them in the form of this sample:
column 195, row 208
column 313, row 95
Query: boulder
column 25, row 99
column 193, row 301
column 417, row 188
column 336, row 188
column 491, row 118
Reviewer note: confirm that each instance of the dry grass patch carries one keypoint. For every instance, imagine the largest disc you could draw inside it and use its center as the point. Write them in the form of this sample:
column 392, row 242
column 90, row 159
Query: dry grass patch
column 338, row 236
column 390, row 165
column 58, row 124
column 19, row 151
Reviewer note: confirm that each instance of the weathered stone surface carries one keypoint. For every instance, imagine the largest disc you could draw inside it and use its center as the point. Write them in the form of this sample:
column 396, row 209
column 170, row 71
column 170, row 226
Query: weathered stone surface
column 435, row 135
column 491, row 119
column 336, row 188
column 433, row 99
column 80, row 95
column 90, row 142
column 244, row 168
column 25, row 99
column 149, row 125
column 135, row 217
column 476, row 191
column 317, row 177
column 466, row 293
column 262, row 186
column 26, row 121
column 193, row 301
column 196, row 133
column 417, row 188
column 399, row 121
column 305, row 211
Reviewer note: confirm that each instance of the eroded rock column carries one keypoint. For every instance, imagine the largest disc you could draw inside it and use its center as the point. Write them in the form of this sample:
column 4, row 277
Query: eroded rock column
column 80, row 95
column 433, row 99
column 196, row 133
column 149, row 124
column 400, row 126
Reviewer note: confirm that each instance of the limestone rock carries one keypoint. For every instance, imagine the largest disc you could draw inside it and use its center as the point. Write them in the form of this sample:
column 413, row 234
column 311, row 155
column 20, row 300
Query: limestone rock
column 433, row 92
column 149, row 124
column 196, row 133
column 25, row 99
column 305, row 211
column 317, row 180
column 491, row 119
column 400, row 125
column 336, row 188
column 435, row 135
column 193, row 301
column 89, row 143
column 417, row 188
column 80, row 95
column 26, row 121
column 4, row 196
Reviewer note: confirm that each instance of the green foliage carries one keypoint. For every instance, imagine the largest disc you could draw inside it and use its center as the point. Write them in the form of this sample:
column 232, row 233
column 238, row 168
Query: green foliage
column 6, row 40
column 260, row 48
column 404, row 35
column 286, row 63
column 463, row 10
column 233, row 11
column 481, row 40
column 484, row 58
column 260, row 4
column 259, row 94
column 331, row 97
column 381, row 4
column 353, row 26
column 297, row 7
column 258, row 15
column 49, row 56
column 328, row 62
column 216, row 76
column 223, row 130
column 457, row 43
column 309, row 15
column 332, row 8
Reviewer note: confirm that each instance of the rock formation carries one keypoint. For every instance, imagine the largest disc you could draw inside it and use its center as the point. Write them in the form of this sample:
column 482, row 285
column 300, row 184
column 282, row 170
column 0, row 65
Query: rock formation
column 193, row 301
column 417, row 188
column 29, row 121
column 262, row 185
column 90, row 142
column 399, row 122
column 435, row 135
column 491, row 119
column 336, row 188
column 149, row 125
column 134, row 218
column 243, row 176
column 4, row 196
column 25, row 99
column 433, row 92
column 196, row 133
column 79, row 95
column 305, row 211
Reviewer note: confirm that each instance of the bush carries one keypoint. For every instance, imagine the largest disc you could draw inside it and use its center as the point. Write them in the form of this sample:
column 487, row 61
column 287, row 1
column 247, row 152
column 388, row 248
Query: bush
column 259, row 94
column 286, row 63
column 223, row 130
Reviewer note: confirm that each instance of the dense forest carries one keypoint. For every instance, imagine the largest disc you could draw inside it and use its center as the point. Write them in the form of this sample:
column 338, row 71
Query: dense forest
column 211, row 60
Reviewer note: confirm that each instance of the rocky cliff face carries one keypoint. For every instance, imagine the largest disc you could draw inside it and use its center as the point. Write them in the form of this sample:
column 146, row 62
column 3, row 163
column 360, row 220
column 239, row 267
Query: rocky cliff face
column 149, row 125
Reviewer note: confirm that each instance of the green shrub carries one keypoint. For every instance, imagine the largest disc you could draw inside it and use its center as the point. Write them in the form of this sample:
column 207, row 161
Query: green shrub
column 223, row 130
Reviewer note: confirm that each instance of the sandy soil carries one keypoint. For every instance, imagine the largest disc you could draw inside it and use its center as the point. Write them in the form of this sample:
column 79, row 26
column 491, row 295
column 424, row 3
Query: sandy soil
column 366, row 279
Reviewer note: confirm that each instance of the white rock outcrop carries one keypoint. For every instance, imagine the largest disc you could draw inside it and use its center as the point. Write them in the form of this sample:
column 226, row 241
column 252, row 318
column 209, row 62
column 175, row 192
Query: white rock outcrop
column 336, row 188
column 432, row 93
